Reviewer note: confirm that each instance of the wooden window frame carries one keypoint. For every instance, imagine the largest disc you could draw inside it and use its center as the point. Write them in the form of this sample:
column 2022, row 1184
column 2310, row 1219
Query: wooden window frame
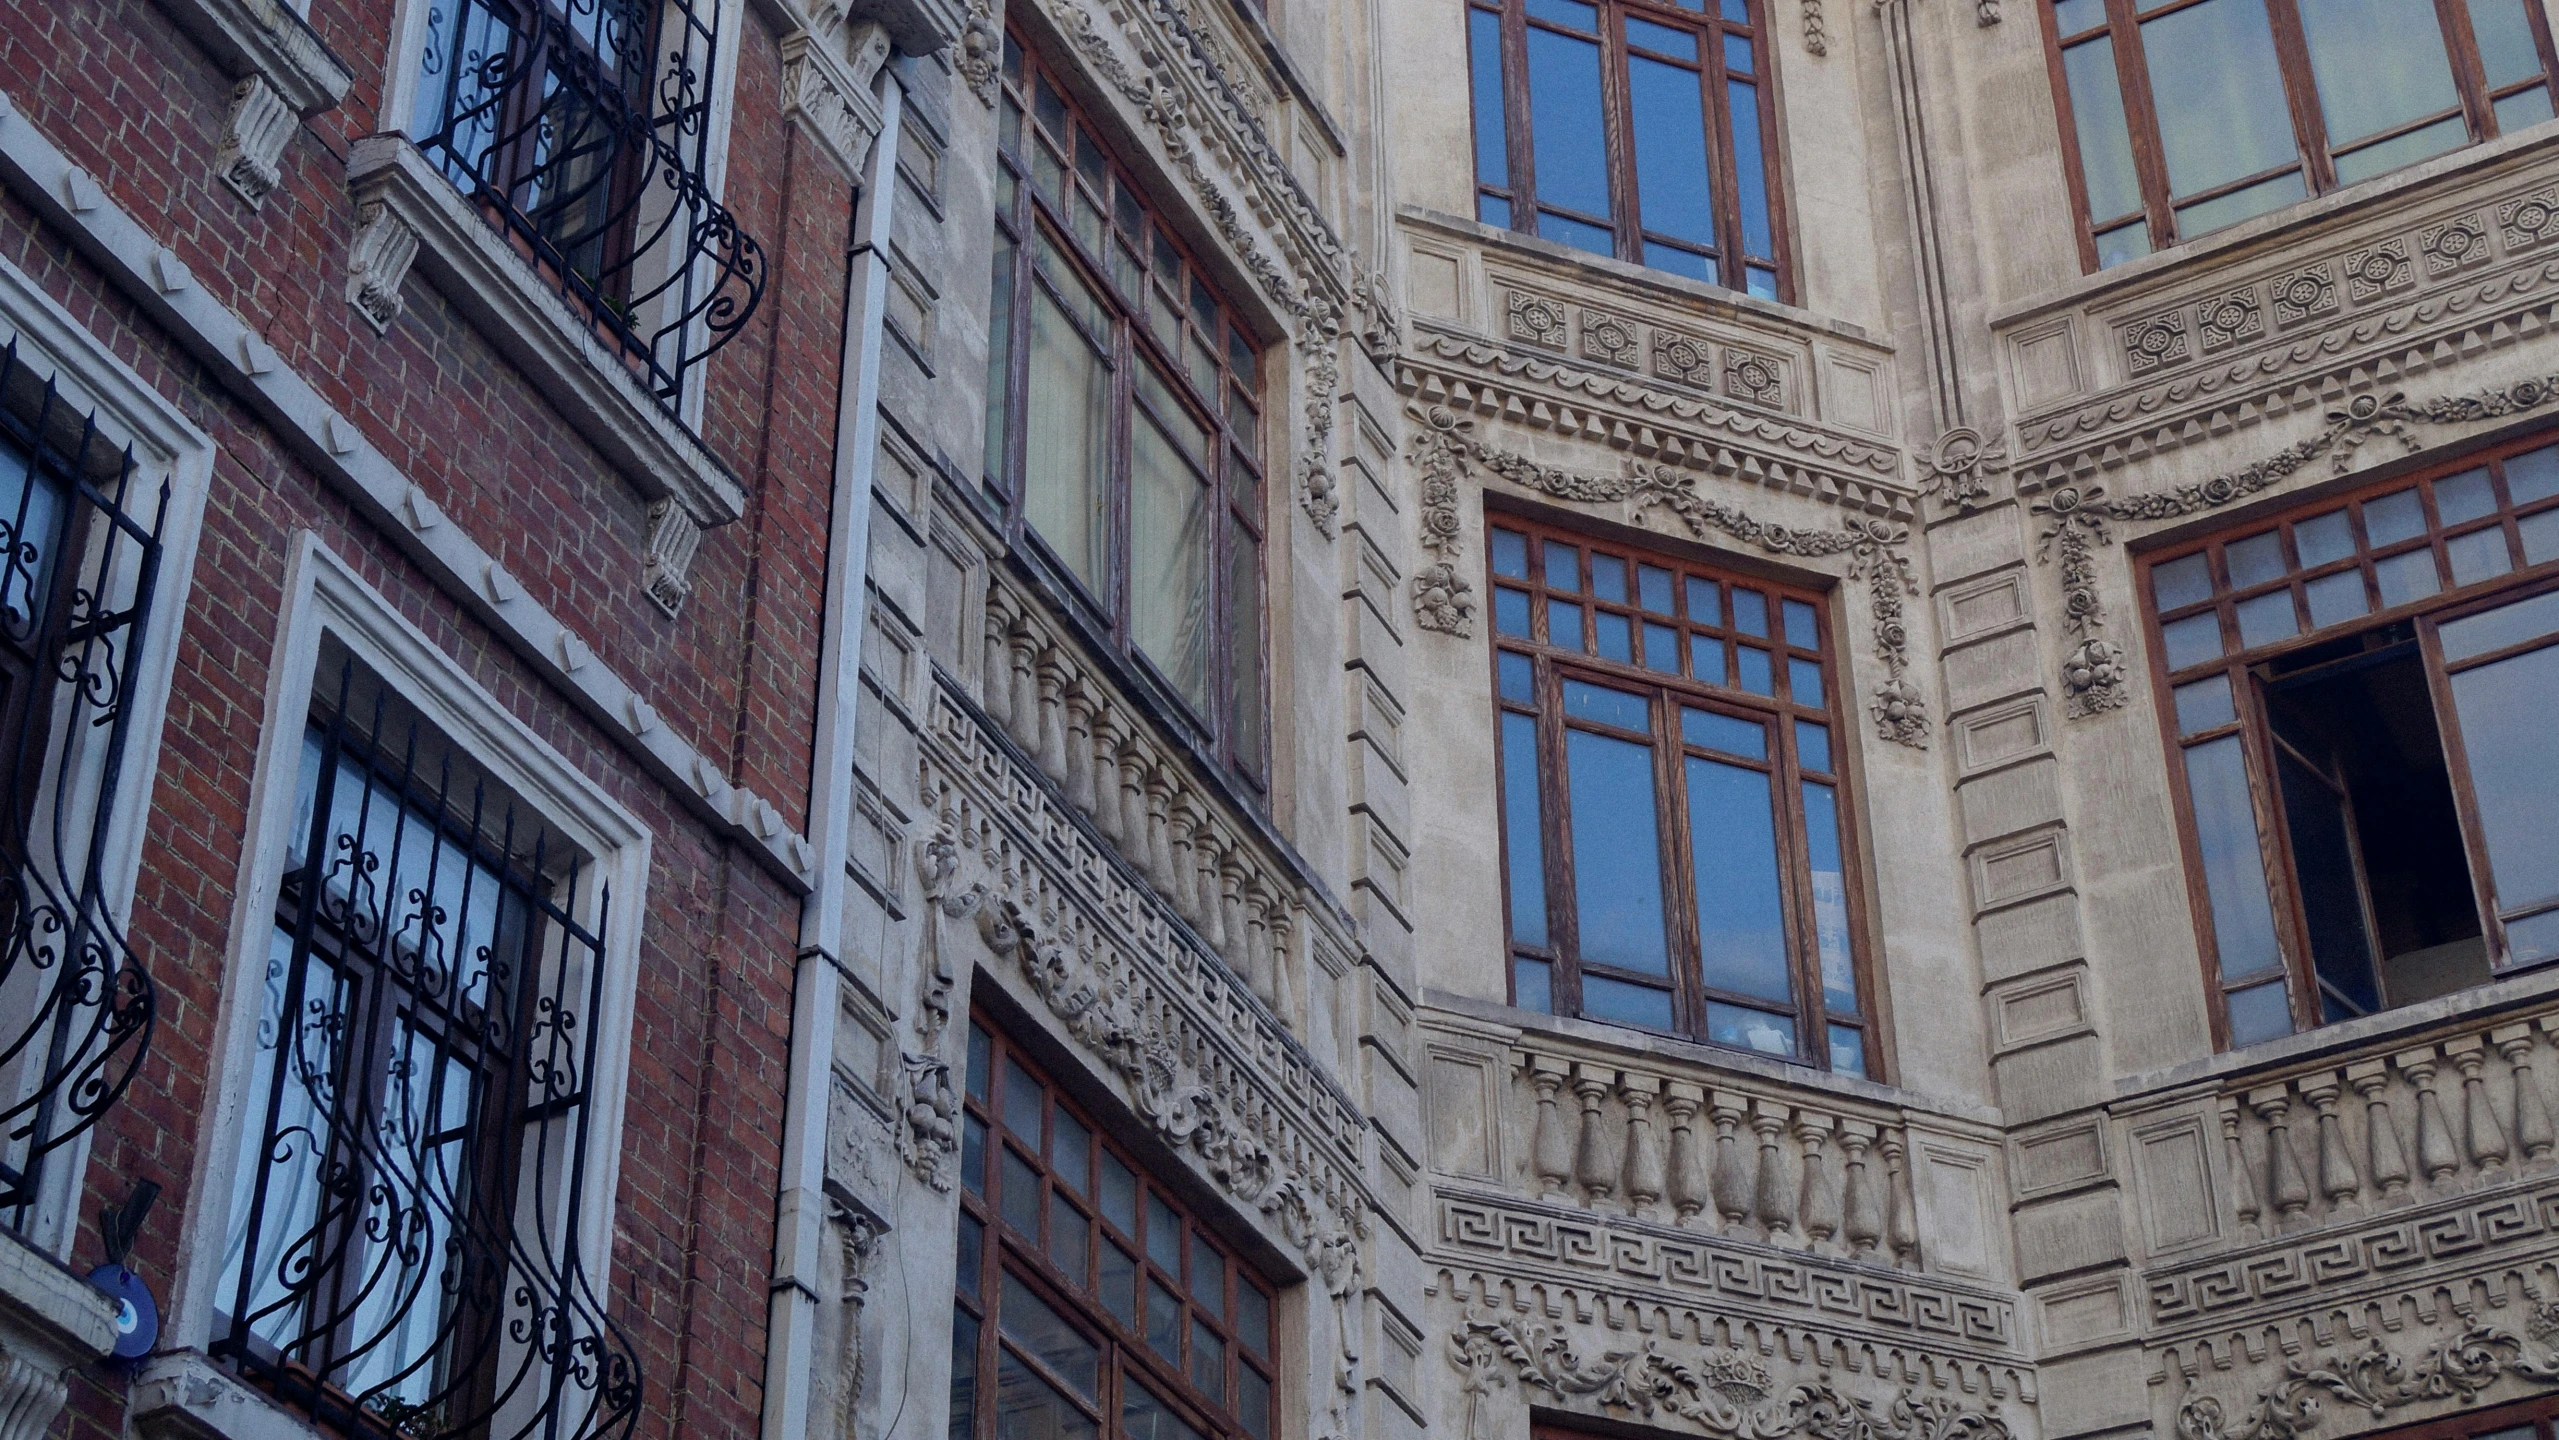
column 2450, row 601
column 2541, row 1412
column 1234, row 729
column 2313, row 156
column 997, row 1249
column 1626, row 220
column 1669, row 691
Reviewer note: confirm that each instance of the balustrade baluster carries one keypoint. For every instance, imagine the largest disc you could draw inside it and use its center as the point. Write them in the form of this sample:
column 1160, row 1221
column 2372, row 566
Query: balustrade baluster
column 1733, row 1172
column 2486, row 1138
column 1079, row 745
column 1283, row 953
column 1184, row 869
column 1553, row 1148
column 1594, row 1164
column 1256, row 944
column 2532, row 1115
column 2371, row 1080
column 1819, row 1206
column 1227, row 874
column 1773, row 1199
column 2243, row 1185
column 2338, row 1179
column 1051, row 751
column 2286, row 1187
column 1690, row 1191
column 995, row 664
column 2435, row 1153
column 1106, row 775
column 1644, row 1175
column 1025, row 707
column 1159, row 825
column 1861, row 1224
column 1901, row 1220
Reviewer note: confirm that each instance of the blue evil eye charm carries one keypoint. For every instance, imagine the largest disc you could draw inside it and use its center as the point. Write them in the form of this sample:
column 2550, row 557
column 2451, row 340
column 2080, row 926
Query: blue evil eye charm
column 137, row 1314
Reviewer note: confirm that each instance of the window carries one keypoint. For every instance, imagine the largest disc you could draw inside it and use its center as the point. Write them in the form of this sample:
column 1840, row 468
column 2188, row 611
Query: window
column 1123, row 425
column 1672, row 827
column 2180, row 117
column 582, row 128
column 78, row 562
column 1090, row 1299
column 1642, row 129
column 2358, row 694
column 2523, row 1420
column 411, row 1197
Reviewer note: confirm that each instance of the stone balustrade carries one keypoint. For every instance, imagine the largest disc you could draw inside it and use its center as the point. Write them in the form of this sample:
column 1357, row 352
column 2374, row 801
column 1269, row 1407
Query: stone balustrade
column 1117, row 770
column 2394, row 1126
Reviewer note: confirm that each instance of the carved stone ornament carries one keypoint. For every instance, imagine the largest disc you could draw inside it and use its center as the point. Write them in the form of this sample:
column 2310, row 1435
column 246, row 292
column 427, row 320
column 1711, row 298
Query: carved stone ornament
column 2076, row 516
column 674, row 538
column 378, row 261
column 1963, row 463
column 1720, row 1389
column 826, row 88
column 1816, row 37
column 928, row 1103
column 1446, row 450
column 2377, row 1381
column 980, row 55
column 858, row 1239
column 249, row 155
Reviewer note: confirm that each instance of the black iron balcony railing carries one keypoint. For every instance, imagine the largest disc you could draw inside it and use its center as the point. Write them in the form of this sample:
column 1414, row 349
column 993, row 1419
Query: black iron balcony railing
column 581, row 128
column 412, row 1219
column 77, row 572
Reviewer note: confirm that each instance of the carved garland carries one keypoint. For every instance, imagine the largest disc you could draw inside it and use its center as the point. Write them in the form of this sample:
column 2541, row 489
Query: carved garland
column 1722, row 1389
column 1445, row 449
column 981, row 51
column 2076, row 516
column 2378, row 1382
column 928, row 1103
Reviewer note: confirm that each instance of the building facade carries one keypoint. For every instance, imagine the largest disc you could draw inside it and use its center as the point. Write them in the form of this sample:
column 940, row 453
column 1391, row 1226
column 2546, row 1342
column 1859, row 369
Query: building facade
column 1281, row 719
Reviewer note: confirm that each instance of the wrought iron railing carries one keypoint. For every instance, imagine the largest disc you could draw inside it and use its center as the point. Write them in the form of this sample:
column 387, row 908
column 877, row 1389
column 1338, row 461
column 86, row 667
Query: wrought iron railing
column 407, row 1252
column 582, row 130
column 77, row 572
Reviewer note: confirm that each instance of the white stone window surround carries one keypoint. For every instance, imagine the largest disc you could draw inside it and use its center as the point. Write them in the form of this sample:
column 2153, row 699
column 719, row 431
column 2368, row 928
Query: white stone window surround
column 165, row 446
column 409, row 213
column 324, row 599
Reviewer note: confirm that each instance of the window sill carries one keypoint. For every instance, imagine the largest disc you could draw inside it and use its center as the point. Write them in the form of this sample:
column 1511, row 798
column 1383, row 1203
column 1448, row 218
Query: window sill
column 50, row 1318
column 185, row 1396
column 409, row 213
column 2391, row 191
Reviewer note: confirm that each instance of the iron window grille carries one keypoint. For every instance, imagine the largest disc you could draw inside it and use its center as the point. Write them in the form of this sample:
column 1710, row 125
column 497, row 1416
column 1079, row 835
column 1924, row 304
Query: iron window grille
column 1123, row 422
column 404, row 1253
column 1674, row 833
column 1090, row 1301
column 1640, row 129
column 78, row 568
column 581, row 130
column 2354, row 694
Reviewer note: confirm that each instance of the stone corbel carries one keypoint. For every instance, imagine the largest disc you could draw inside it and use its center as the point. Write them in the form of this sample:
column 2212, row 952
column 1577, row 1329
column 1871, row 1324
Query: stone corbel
column 378, row 263
column 674, row 538
column 826, row 87
column 51, row 1324
column 285, row 73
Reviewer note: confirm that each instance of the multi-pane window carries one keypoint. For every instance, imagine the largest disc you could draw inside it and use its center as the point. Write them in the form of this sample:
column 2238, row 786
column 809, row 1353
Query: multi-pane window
column 1642, row 129
column 2523, row 1420
column 1672, row 829
column 2183, row 116
column 1091, row 1301
column 2359, row 694
column 1123, row 425
column 402, row 1244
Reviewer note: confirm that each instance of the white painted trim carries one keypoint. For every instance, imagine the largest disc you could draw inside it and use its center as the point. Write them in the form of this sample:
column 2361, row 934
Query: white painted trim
column 325, row 599
column 165, row 446
column 323, row 438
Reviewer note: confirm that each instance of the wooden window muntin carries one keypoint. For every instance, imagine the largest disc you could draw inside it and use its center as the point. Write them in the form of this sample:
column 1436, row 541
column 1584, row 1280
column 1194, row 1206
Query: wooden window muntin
column 1163, row 312
column 1711, row 22
column 1780, row 711
column 1001, row 1248
column 2521, row 535
column 2313, row 154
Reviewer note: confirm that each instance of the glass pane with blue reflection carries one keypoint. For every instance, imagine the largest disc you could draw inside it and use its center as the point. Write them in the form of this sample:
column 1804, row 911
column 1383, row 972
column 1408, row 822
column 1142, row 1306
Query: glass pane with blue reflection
column 1617, row 870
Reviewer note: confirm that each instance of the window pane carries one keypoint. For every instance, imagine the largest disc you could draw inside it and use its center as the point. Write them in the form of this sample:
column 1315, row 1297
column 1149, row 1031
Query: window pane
column 2193, row 640
column 2204, row 705
column 972, row 1252
column 1847, row 1051
column 2238, row 205
column 1144, row 1417
column 2407, row 577
column 1617, row 872
column 1704, row 608
column 1510, row 612
column 1661, row 648
column 1652, row 587
column 1564, row 624
column 1208, row 1276
column 1029, row 1408
column 973, row 1154
column 1706, row 660
column 1756, row 676
column 1670, row 150
column 2234, row 873
column 2269, row 618
column 2336, row 598
column 1750, row 612
column 1812, row 745
column 1246, row 708
column 981, row 1063
column 2465, row 496
column 1208, row 1359
column 2540, row 537
column 1064, row 461
column 963, row 1375
column 1564, row 118
column 1533, row 985
column 2261, row 1013
column 1024, row 1101
column 2379, row 64
column 1510, row 554
column 1714, row 730
column 1070, row 1236
column 2219, row 91
column 1563, row 567
column 2496, row 629
column 2504, row 713
column 999, row 363
column 2105, row 140
column 1661, row 38
column 1585, row 701
column 2255, row 560
column 1620, row 1003
column 1830, row 897
column 1253, row 1401
column 1614, row 637
column 2524, row 107
column 1803, row 627
column 1030, row 1322
column 1608, row 577
column 1252, row 1318
column 1163, row 1321
column 1741, row 918
column 1565, row 230
column 2181, row 582
column 1804, row 681
column 2450, row 133
column 1520, row 837
column 1119, row 1284
column 1750, row 170
column 1070, row 1151
column 1750, row 1029
column 2479, row 555
column 1519, row 677
column 2391, row 518
column 1163, row 1234
column 2323, row 539
column 1021, row 1191
column 2504, row 33
column 2323, row 860
column 1492, row 148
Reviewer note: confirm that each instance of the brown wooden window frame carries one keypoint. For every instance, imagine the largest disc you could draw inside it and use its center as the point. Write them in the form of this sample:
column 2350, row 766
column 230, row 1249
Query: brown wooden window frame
column 1021, row 1136
column 1713, row 23
column 2312, row 154
column 1794, row 613
column 2524, row 529
column 1085, row 210
column 2533, row 1419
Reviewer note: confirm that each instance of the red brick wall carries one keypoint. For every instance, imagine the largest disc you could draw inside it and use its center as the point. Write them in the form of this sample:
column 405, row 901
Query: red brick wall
column 125, row 93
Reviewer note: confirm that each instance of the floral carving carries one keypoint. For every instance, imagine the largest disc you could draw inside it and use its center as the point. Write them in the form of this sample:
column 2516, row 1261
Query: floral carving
column 2076, row 517
column 2232, row 319
column 928, row 1103
column 1683, row 358
column 2455, row 244
column 2376, row 1381
column 2528, row 220
column 1755, row 378
column 1963, row 463
column 2156, row 343
column 1816, row 36
column 1721, row 1389
column 1445, row 447
column 2377, row 270
column 2309, row 293
column 981, row 51
column 1608, row 337
column 1381, row 330
column 1537, row 320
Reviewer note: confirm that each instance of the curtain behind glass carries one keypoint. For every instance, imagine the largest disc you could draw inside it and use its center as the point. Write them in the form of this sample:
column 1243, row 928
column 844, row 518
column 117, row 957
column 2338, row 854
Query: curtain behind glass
column 1169, row 541
column 1065, row 447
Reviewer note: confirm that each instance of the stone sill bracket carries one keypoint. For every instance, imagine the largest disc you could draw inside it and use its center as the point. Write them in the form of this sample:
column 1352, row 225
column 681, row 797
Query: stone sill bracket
column 407, row 214
column 285, row 73
column 51, row 1323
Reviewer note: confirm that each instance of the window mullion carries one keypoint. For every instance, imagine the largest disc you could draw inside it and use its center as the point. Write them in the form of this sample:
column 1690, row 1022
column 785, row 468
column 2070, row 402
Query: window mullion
column 1563, row 920
column 2256, row 745
column 1795, row 887
column 2301, row 96
column 1617, row 112
column 1725, row 180
column 1679, row 867
column 1515, row 116
column 2465, row 794
column 2469, row 73
column 2141, row 119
